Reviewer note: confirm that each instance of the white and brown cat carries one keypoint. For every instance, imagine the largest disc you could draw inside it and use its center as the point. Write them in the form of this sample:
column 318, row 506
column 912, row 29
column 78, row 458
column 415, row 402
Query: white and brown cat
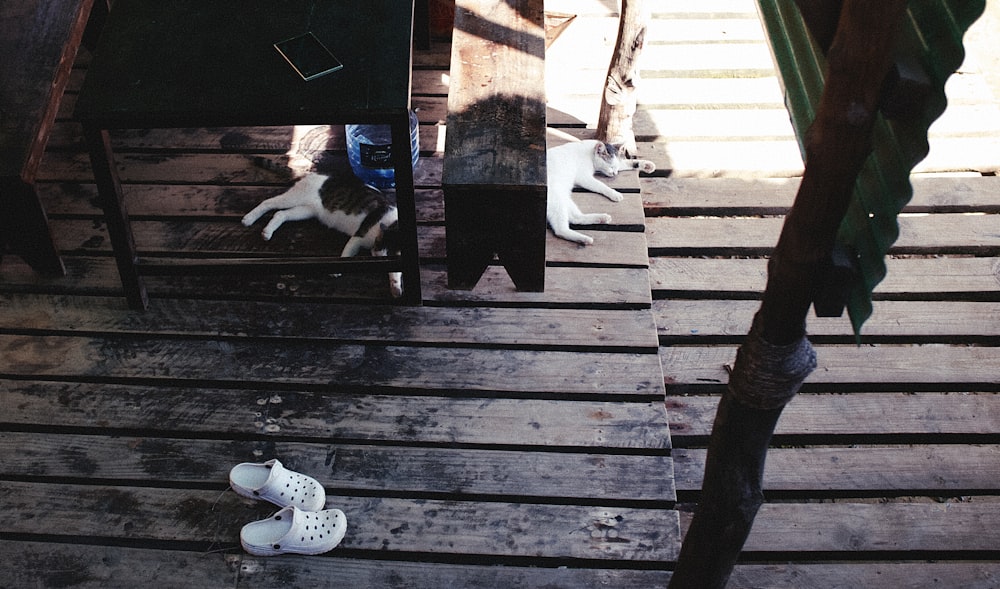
column 575, row 164
column 342, row 203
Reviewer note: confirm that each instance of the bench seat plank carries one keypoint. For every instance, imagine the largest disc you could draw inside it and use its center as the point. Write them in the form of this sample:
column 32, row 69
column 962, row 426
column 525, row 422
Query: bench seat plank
column 494, row 175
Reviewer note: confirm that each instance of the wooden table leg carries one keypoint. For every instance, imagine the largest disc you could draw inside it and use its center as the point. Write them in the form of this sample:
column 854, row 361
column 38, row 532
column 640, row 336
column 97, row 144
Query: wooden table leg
column 24, row 228
column 116, row 216
column 407, row 208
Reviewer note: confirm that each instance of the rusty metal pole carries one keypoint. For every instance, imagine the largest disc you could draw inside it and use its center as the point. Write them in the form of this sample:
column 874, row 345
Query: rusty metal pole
column 776, row 357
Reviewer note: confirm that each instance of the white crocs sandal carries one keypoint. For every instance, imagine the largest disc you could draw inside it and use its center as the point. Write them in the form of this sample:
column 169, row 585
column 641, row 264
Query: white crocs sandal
column 293, row 531
column 273, row 482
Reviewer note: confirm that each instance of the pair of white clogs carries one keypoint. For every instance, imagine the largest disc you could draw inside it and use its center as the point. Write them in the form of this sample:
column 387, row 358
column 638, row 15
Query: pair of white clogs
column 302, row 526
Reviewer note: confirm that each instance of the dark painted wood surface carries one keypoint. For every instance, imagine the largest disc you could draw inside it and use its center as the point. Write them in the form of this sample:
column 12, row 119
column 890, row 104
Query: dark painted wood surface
column 39, row 42
column 145, row 77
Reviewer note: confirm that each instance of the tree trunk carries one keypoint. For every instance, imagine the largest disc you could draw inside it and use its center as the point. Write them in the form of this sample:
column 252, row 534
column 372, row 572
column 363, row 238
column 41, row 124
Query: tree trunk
column 776, row 357
column 618, row 103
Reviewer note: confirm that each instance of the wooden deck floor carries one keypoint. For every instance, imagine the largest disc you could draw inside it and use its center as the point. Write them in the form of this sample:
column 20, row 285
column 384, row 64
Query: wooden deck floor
column 493, row 438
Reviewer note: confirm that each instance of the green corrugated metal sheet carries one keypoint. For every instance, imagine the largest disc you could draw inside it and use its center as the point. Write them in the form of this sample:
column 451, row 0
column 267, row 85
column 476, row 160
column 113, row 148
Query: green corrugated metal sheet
column 932, row 35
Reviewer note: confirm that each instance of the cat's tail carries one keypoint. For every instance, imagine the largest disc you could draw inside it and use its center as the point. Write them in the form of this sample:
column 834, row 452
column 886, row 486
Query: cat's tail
column 644, row 166
column 280, row 166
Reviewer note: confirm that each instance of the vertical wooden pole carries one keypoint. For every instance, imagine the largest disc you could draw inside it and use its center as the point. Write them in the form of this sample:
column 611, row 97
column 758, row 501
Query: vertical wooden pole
column 619, row 99
column 837, row 144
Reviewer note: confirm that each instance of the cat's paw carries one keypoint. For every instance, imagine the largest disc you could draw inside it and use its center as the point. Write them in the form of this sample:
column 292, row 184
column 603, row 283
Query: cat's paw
column 645, row 166
column 615, row 196
column 604, row 219
column 266, row 234
column 248, row 220
column 396, row 284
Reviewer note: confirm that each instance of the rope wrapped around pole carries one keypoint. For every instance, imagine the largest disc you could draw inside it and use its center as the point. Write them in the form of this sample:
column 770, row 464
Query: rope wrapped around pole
column 768, row 376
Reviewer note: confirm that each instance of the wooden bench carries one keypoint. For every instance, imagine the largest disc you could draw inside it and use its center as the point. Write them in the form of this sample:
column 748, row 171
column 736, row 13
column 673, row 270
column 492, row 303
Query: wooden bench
column 39, row 41
column 494, row 176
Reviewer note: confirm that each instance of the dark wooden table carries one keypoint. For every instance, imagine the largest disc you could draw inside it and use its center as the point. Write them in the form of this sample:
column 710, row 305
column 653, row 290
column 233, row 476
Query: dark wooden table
column 191, row 63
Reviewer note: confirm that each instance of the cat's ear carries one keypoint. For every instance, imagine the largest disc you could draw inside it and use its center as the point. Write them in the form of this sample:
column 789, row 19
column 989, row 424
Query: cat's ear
column 601, row 150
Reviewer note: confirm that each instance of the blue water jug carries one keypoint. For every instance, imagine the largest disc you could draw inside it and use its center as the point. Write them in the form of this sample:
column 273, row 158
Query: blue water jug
column 369, row 149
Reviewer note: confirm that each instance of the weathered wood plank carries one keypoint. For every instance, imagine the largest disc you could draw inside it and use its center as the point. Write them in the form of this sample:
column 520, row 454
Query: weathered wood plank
column 198, row 200
column 186, row 168
column 497, row 327
column 724, row 28
column 615, row 287
column 103, row 567
column 706, row 124
column 39, row 42
column 610, row 248
column 923, row 234
column 943, row 321
column 230, row 238
column 710, row 93
column 685, row 8
column 210, row 200
column 743, row 158
column 382, row 524
column 864, row 414
column 774, row 196
column 875, row 575
column 99, row 276
column 701, row 121
column 896, row 366
column 921, row 278
column 323, row 417
column 944, row 469
column 851, row 528
column 100, row 567
column 226, row 169
column 626, row 288
column 951, row 153
column 336, row 366
column 707, row 57
column 692, row 124
column 345, row 467
column 45, row 564
column 436, row 57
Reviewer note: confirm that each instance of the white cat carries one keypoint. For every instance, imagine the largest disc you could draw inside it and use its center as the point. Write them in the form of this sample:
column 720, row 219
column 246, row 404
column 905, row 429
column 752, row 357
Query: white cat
column 346, row 205
column 574, row 164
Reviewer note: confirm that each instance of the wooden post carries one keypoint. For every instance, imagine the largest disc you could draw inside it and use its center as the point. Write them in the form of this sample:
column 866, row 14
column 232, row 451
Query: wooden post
column 618, row 102
column 776, row 357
